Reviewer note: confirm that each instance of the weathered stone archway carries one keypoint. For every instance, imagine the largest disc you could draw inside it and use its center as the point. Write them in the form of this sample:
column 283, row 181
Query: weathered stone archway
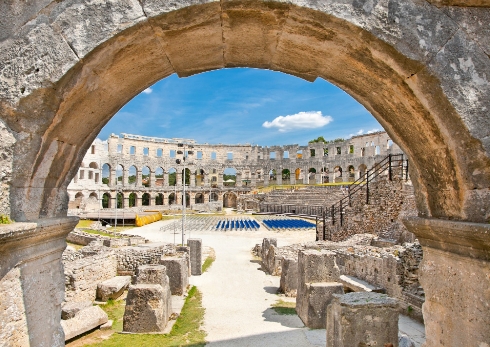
column 421, row 70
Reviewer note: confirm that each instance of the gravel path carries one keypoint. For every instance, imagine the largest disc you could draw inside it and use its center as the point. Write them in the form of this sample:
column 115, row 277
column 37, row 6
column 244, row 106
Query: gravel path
column 237, row 296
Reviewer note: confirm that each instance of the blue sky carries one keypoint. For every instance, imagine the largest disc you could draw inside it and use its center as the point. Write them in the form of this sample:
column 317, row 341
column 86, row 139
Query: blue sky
column 233, row 106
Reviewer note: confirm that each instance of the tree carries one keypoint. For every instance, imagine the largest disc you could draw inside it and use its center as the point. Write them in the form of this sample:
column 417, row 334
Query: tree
column 105, row 180
column 172, row 179
column 318, row 139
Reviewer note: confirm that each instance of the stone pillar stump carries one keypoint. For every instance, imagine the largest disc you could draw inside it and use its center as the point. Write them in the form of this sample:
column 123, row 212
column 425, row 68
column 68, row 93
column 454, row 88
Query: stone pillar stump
column 362, row 319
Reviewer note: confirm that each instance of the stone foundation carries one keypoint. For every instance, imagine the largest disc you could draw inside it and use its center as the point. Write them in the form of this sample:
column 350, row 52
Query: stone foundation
column 318, row 277
column 362, row 319
column 289, row 276
column 145, row 309
column 31, row 282
column 195, row 246
column 454, row 253
column 177, row 271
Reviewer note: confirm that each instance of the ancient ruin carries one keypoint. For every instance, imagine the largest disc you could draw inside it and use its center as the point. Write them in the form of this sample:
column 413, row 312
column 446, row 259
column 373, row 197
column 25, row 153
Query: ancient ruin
column 138, row 168
column 421, row 68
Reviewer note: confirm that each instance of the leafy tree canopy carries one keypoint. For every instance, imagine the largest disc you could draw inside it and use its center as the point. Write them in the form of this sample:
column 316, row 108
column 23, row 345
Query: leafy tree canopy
column 322, row 139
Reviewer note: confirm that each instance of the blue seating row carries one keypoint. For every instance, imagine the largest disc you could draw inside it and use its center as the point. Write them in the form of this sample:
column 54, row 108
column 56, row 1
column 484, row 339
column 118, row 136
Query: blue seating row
column 237, row 224
column 287, row 224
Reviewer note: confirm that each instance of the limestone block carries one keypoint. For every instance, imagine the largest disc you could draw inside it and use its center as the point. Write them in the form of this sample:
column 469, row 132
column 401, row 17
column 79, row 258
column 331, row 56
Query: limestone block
column 70, row 309
column 177, row 272
column 289, row 276
column 85, row 320
column 156, row 274
column 145, row 309
column 312, row 309
column 272, row 262
column 151, row 274
column 266, row 243
column 107, row 326
column 317, row 266
column 112, row 288
column 362, row 319
column 186, row 253
column 88, row 24
column 195, row 246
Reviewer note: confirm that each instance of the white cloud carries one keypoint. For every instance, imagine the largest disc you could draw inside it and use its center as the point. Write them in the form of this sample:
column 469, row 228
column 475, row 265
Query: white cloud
column 147, row 90
column 301, row 120
column 361, row 131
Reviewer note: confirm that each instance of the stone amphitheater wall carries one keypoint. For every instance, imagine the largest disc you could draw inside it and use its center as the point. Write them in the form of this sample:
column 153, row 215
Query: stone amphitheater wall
column 255, row 166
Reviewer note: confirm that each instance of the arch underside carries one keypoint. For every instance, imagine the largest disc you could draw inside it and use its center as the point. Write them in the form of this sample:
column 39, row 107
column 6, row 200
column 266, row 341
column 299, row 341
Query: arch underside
column 400, row 89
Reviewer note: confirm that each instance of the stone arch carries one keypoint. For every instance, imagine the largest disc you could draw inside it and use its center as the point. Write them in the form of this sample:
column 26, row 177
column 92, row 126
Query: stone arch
column 172, row 176
column 145, row 176
column 286, row 174
column 159, row 177
column 171, row 199
column 132, row 200
column 187, row 199
column 352, row 173
column 106, row 200
column 200, row 176
column 230, row 173
column 298, row 173
column 93, row 165
column 362, row 170
column 159, row 199
column 145, row 199
column 119, row 200
column 199, row 199
column 230, row 200
column 119, row 174
column 106, row 173
column 337, row 174
column 132, row 175
column 214, row 196
column 439, row 76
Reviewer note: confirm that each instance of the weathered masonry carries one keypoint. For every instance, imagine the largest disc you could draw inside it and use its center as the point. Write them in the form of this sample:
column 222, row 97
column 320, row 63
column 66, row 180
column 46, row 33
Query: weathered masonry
column 139, row 168
column 420, row 67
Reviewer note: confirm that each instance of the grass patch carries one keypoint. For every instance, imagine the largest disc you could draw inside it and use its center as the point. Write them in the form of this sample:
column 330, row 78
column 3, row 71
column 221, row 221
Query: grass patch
column 185, row 332
column 284, row 307
column 84, row 223
column 115, row 311
column 4, row 219
column 209, row 261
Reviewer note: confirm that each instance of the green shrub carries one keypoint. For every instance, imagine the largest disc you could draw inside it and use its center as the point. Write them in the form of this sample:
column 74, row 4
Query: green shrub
column 5, row 219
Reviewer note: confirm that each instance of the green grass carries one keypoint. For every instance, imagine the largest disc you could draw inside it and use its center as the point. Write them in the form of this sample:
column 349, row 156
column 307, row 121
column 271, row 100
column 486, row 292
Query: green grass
column 208, row 262
column 284, row 307
column 185, row 332
column 115, row 311
column 84, row 223
column 4, row 219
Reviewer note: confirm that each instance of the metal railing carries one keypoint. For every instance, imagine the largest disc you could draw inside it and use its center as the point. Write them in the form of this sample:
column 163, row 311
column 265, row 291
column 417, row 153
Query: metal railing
column 335, row 213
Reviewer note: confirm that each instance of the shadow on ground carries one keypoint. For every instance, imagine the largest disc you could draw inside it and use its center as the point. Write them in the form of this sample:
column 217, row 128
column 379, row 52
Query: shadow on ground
column 295, row 338
column 271, row 289
column 287, row 320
